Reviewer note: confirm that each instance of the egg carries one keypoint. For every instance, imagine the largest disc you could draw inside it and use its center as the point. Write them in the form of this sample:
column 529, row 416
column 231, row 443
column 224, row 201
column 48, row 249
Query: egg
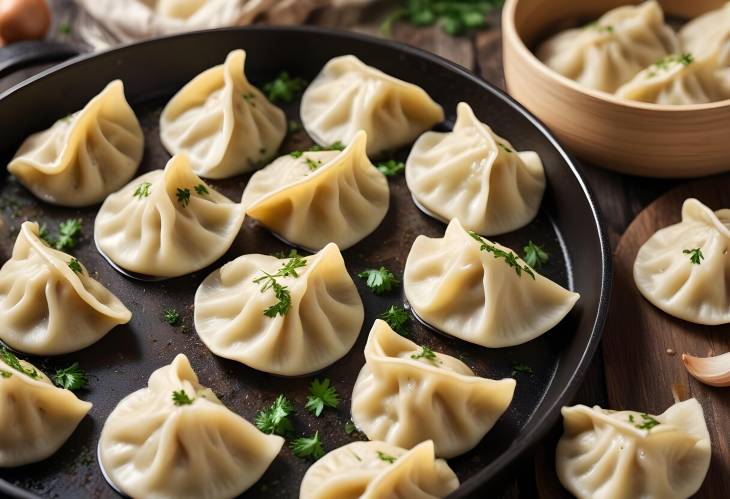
column 23, row 20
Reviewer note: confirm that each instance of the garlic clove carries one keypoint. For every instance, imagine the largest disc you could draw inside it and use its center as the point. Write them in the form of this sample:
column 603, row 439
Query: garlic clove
column 713, row 371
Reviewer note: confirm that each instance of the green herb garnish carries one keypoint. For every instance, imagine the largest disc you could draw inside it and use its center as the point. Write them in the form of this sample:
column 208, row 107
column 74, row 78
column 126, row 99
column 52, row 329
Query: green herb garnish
column 64, row 28
column 11, row 360
column 695, row 255
column 284, row 88
column 391, row 168
column 534, row 255
column 505, row 147
column 397, row 318
column 202, row 190
column 71, row 378
column 283, row 297
column 386, row 457
column 142, row 191
column 275, row 419
column 5, row 374
column 296, row 154
column 426, row 354
column 335, row 146
column 75, row 265
column 321, row 394
column 171, row 316
column 294, row 126
column 379, row 280
column 666, row 62
column 308, row 447
column 350, row 428
column 648, row 422
column 312, row 164
column 509, row 258
column 67, row 232
column 518, row 368
column 181, row 398
column 456, row 17
column 183, row 196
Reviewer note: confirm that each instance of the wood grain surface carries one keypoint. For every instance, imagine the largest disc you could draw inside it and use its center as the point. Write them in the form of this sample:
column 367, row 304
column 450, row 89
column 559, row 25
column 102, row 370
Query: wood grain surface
column 643, row 346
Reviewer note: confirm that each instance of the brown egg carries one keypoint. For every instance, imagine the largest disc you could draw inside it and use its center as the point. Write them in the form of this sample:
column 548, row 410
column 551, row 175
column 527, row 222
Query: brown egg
column 23, row 20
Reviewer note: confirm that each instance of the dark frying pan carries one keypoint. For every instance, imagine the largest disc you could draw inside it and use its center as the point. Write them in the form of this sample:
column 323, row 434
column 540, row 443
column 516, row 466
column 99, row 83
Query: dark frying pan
column 569, row 226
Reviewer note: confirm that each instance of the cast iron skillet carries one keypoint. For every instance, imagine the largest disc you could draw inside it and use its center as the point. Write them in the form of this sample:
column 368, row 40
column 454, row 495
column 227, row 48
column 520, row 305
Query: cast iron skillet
column 569, row 226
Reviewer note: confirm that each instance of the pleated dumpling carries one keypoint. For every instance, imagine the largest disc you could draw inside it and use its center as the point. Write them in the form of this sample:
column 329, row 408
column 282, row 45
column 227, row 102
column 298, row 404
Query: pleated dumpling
column 36, row 418
column 469, row 287
column 49, row 305
column 374, row 470
column 314, row 198
column 85, row 156
column 225, row 124
column 707, row 38
column 684, row 269
column 288, row 317
column 476, row 176
column 167, row 223
column 609, row 52
column 348, row 96
column 626, row 454
column 175, row 439
column 406, row 394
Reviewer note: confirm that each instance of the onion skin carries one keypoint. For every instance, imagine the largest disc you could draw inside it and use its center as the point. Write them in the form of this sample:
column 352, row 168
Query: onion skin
column 23, row 20
column 713, row 371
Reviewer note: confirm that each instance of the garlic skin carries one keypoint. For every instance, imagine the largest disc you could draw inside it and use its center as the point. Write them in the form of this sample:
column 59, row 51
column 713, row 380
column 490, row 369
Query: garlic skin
column 713, row 371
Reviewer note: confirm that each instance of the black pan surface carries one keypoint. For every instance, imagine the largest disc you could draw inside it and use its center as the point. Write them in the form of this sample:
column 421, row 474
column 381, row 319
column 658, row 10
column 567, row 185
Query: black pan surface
column 568, row 226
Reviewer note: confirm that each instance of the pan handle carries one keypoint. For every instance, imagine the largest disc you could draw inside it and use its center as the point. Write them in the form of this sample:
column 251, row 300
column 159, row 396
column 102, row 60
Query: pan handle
column 19, row 54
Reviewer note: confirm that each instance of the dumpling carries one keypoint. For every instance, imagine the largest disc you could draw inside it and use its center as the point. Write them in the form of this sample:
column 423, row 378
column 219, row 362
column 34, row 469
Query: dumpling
column 675, row 79
column 85, row 156
column 708, row 39
column 175, row 439
column 469, row 287
column 36, row 417
column 626, row 454
column 609, row 52
column 349, row 96
column 476, row 176
column 374, row 470
column 43, row 291
column 406, row 394
column 224, row 124
column 167, row 223
column 683, row 269
column 314, row 198
column 288, row 317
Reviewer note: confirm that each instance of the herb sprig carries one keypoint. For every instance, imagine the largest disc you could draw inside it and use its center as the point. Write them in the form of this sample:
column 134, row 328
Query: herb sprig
column 183, row 196
column 171, row 316
column 386, row 457
column 75, row 265
column 397, row 318
column 648, row 422
column 518, row 368
column 284, row 88
column 426, row 354
column 275, row 418
column 321, row 394
column 11, row 360
column 391, row 168
column 68, row 232
column 509, row 258
column 456, row 17
column 380, row 280
column 308, row 447
column 281, row 292
column 142, row 190
column 534, row 255
column 180, row 397
column 695, row 255
column 71, row 378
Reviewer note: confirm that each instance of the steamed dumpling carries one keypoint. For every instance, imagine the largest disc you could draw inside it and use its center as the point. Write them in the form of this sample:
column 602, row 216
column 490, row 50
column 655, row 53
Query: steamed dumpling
column 224, row 124
column 606, row 54
column 49, row 305
column 167, row 223
column 476, row 176
column 83, row 157
column 349, row 96
column 470, row 293
column 708, row 39
column 626, row 454
column 320, row 197
column 36, row 418
column 403, row 397
column 242, row 315
column 684, row 269
column 375, row 470
column 154, row 444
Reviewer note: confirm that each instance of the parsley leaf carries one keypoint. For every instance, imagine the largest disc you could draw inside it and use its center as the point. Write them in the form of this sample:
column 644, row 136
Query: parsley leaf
column 335, row 146
column 508, row 257
column 391, row 168
column 181, row 398
column 11, row 360
column 308, row 447
column 648, row 422
column 518, row 368
column 67, row 232
column 142, row 191
column 426, row 354
column 75, row 265
column 312, row 163
column 535, row 256
column 281, row 293
column 379, row 280
column 296, row 154
column 456, row 17
column 283, row 255
column 202, row 190
column 183, row 196
column 171, row 316
column 321, row 394
column 350, row 428
column 284, row 88
column 397, row 318
column 275, row 419
column 386, row 457
column 71, row 378
column 695, row 255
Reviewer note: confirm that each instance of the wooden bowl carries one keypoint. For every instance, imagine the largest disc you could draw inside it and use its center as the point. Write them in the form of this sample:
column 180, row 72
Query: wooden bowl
column 630, row 137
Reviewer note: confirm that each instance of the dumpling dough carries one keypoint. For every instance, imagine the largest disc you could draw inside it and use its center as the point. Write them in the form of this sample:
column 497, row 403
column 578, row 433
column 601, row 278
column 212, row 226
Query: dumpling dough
column 667, row 277
column 476, row 176
column 707, row 38
column 161, row 234
column 151, row 447
column 349, row 96
column 603, row 454
column 320, row 327
column 471, row 294
column 362, row 470
column 83, row 157
column 225, row 124
column 606, row 54
column 404, row 400
column 46, row 308
column 320, row 197
column 36, row 417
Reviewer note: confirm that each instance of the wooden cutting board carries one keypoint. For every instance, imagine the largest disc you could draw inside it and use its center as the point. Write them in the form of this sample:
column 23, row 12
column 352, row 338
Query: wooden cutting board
column 643, row 346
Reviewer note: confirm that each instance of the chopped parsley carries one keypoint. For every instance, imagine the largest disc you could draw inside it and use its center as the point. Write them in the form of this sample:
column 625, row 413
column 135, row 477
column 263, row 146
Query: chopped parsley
column 283, row 297
column 426, row 354
column 350, row 428
column 202, row 190
column 142, row 191
column 75, row 265
column 283, row 255
column 284, row 88
column 335, row 146
column 294, row 126
column 391, row 168
column 695, row 255
column 379, row 280
column 171, row 316
column 386, row 457
column 296, row 154
column 321, row 394
column 308, row 447
column 518, row 368
column 667, row 62
column 275, row 418
column 397, row 318
column 648, row 422
column 312, row 164
column 509, row 258
column 5, row 374
column 183, row 196
column 181, row 398
column 456, row 17
column 534, row 255
column 71, row 378
column 11, row 360
column 67, row 233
